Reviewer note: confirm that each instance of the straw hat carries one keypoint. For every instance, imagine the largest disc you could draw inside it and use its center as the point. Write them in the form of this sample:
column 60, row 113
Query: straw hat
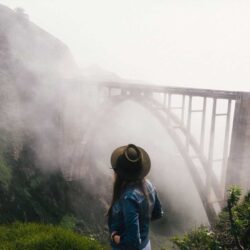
column 130, row 162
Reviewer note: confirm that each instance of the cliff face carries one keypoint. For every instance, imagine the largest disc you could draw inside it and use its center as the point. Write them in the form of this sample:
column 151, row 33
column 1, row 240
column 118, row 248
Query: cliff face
column 34, row 69
column 38, row 91
column 30, row 57
column 38, row 51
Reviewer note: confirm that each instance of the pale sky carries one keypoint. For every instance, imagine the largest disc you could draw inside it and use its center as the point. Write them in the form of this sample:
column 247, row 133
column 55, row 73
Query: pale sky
column 190, row 43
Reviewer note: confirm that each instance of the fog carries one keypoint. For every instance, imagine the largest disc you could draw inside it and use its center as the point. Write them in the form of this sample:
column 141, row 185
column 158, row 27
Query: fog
column 173, row 43
column 202, row 44
column 130, row 122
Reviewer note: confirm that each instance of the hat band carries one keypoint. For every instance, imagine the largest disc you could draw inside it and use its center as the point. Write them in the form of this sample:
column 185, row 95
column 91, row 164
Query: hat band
column 137, row 151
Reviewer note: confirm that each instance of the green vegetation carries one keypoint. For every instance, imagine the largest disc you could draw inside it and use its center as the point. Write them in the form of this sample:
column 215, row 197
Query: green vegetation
column 62, row 211
column 32, row 236
column 31, row 194
column 5, row 176
column 200, row 238
column 28, row 193
column 231, row 231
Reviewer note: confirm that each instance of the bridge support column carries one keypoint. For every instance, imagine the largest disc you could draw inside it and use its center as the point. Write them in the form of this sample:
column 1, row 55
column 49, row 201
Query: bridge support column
column 238, row 170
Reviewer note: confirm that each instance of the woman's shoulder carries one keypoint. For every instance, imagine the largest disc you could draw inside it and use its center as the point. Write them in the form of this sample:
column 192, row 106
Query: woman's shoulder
column 134, row 192
column 150, row 186
column 131, row 193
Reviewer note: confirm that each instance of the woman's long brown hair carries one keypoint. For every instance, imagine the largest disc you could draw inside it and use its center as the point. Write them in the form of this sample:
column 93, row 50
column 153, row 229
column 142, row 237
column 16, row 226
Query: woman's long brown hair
column 119, row 187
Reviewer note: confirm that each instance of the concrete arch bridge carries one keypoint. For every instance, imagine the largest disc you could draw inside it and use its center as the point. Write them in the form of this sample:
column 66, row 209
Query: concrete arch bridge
column 211, row 129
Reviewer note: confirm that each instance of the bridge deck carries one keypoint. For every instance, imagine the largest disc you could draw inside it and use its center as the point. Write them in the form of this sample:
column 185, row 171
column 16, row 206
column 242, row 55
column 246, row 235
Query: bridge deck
column 223, row 94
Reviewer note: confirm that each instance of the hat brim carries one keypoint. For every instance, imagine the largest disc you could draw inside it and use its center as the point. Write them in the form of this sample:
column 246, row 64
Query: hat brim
column 145, row 160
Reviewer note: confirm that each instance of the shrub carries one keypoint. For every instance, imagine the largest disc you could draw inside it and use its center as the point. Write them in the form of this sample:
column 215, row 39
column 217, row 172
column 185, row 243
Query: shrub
column 68, row 222
column 201, row 238
column 231, row 231
column 33, row 236
column 233, row 226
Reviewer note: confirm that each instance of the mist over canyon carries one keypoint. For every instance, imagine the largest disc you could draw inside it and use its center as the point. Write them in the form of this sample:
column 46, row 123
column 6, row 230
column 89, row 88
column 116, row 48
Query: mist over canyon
column 46, row 106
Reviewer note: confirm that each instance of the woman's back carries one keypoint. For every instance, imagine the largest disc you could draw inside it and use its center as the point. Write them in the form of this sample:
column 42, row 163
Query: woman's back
column 132, row 213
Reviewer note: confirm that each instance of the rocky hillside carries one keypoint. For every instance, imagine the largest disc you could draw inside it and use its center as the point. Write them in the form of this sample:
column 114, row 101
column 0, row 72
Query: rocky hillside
column 35, row 67
column 33, row 48
column 36, row 70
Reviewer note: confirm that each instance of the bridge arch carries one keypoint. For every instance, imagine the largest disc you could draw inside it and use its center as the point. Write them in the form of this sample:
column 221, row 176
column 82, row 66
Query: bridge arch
column 164, row 118
column 210, row 189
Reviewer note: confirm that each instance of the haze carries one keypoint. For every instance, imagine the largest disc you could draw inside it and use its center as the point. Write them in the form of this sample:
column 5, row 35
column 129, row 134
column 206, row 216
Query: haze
column 196, row 43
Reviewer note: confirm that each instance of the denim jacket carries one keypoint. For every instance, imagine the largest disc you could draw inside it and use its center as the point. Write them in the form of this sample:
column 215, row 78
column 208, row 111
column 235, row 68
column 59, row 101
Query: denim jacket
column 131, row 215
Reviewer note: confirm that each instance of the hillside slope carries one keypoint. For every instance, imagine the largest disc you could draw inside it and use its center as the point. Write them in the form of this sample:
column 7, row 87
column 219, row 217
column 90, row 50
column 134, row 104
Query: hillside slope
column 35, row 71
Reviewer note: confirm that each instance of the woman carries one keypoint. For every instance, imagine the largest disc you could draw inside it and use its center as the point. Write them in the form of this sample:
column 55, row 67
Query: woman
column 134, row 201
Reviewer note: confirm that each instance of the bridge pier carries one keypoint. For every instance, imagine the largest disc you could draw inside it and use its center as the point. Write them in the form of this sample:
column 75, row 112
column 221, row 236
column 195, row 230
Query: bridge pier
column 238, row 170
